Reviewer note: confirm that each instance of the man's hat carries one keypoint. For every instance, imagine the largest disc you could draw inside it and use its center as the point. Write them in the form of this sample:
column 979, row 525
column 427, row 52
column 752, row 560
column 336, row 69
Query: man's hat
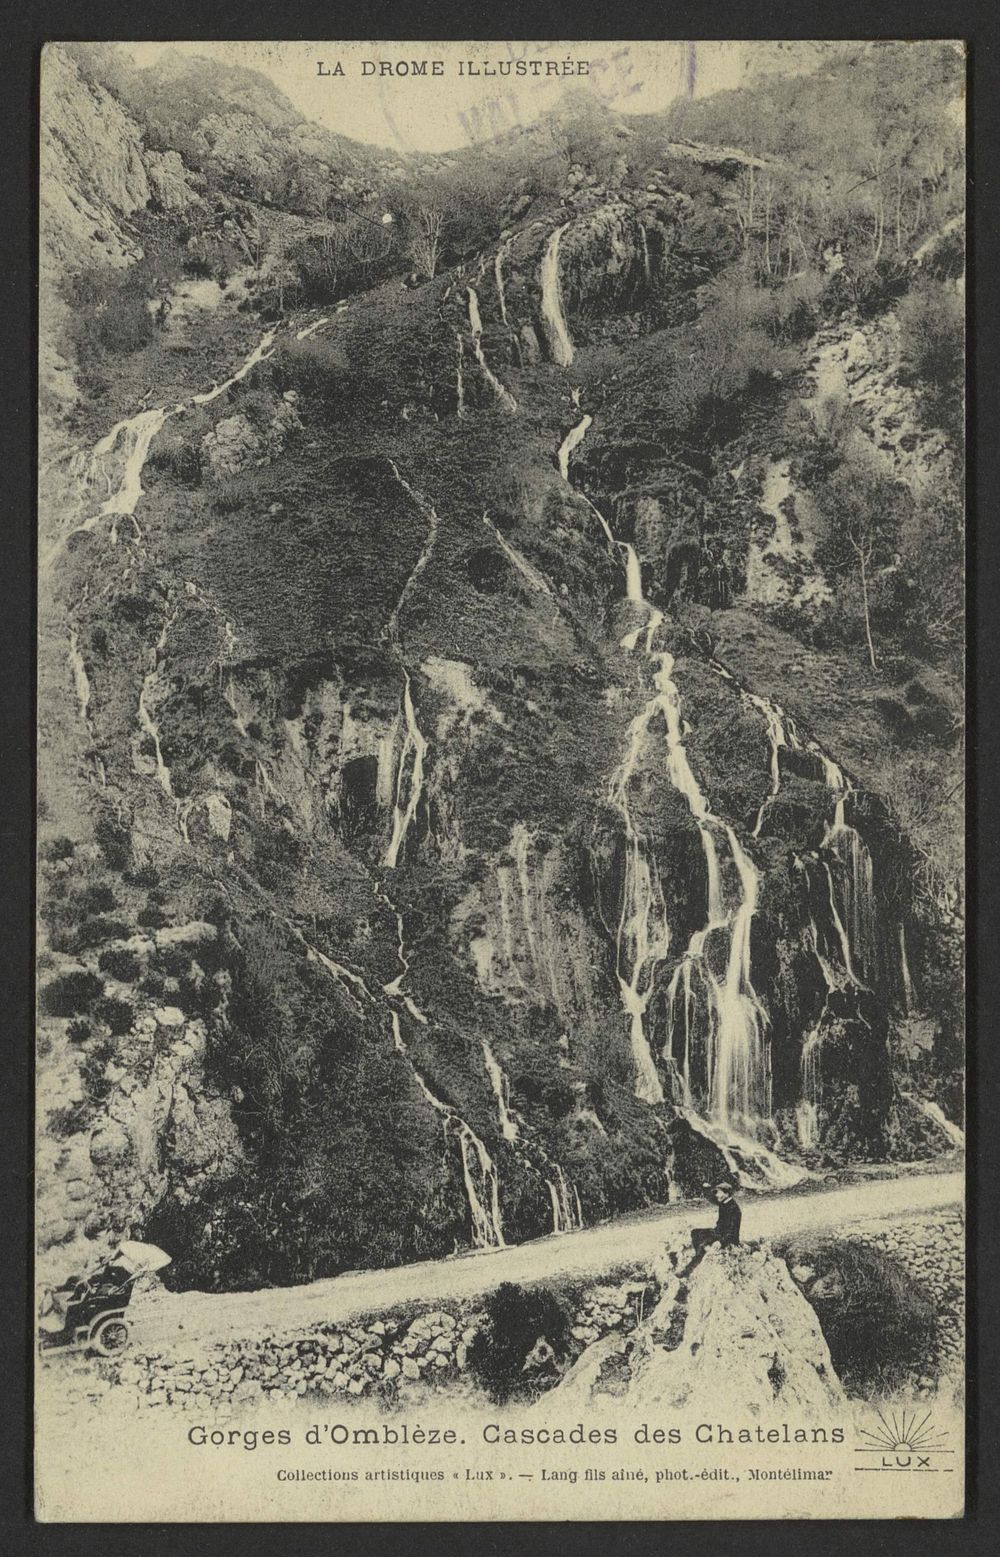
column 726, row 1188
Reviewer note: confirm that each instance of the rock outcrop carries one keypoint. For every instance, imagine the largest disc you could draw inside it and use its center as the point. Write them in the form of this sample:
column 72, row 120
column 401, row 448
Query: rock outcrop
column 92, row 173
column 736, row 1330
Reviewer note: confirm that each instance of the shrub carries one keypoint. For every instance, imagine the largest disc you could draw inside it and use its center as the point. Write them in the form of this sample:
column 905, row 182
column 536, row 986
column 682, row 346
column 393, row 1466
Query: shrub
column 110, row 311
column 64, row 1122
column 143, row 876
column 516, row 1319
column 152, row 917
column 97, row 898
column 71, row 993
column 114, row 841
column 119, row 963
column 116, row 1014
column 94, row 932
column 58, row 849
column 93, row 1069
column 932, row 350
column 879, row 1323
column 78, row 1030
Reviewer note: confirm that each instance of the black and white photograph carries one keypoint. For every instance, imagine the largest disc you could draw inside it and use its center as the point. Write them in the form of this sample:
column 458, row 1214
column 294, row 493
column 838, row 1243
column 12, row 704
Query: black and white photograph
column 500, row 875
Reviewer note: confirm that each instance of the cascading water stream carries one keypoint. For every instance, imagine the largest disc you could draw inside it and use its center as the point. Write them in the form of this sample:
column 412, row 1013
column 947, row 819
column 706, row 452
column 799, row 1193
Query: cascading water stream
column 567, row 1213
column 459, row 379
column 310, row 329
column 81, row 681
column 135, row 434
column 501, row 254
column 904, row 972
column 260, row 353
column 738, row 1055
column 527, row 571
column 501, row 1091
column 642, row 940
column 430, row 513
column 843, row 844
column 478, row 1168
column 410, row 758
column 573, row 437
column 552, row 309
column 476, row 326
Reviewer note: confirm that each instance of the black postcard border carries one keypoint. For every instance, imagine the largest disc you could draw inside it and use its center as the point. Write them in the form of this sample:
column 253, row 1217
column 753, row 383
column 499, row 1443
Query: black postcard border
column 24, row 33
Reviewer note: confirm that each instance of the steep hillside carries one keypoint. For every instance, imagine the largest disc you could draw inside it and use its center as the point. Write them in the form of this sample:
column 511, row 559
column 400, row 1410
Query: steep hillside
column 497, row 725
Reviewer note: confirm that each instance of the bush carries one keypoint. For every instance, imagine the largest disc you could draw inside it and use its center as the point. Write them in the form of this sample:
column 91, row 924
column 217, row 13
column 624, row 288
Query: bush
column 64, row 1122
column 878, row 1321
column 932, row 350
column 110, row 311
column 78, row 1030
column 97, row 898
column 93, row 1070
column 94, row 932
column 71, row 994
column 58, row 849
column 114, row 841
column 119, row 963
column 116, row 1014
column 516, row 1319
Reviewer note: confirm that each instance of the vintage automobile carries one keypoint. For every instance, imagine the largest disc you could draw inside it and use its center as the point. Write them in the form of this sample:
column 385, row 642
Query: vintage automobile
column 89, row 1313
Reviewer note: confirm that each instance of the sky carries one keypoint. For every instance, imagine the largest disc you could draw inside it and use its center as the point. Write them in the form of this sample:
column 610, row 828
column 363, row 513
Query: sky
column 411, row 113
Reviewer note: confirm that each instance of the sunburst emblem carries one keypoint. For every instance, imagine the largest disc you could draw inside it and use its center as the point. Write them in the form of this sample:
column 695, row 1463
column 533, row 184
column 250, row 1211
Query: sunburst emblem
column 904, row 1433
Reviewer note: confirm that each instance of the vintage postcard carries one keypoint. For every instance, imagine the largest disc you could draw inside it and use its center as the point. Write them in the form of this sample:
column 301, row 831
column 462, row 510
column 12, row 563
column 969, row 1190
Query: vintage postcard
column 500, row 875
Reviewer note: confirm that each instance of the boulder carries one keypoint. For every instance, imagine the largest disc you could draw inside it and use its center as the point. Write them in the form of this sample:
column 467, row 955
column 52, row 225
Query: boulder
column 750, row 1338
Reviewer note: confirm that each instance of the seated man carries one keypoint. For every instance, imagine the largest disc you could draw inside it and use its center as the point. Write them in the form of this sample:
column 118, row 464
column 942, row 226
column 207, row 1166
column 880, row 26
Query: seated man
column 726, row 1231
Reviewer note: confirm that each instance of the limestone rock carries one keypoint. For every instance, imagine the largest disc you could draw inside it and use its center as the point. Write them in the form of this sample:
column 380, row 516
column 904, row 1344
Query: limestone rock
column 750, row 1338
column 232, row 446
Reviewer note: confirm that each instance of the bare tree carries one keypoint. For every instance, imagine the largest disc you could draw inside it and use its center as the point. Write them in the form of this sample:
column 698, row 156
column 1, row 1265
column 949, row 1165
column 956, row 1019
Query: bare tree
column 426, row 228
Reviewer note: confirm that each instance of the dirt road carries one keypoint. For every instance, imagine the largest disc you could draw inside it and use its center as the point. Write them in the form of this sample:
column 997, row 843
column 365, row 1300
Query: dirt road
column 187, row 1316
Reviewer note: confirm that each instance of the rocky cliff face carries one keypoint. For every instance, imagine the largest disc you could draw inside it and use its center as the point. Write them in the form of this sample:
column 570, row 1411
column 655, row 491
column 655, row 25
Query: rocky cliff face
column 93, row 176
column 381, row 661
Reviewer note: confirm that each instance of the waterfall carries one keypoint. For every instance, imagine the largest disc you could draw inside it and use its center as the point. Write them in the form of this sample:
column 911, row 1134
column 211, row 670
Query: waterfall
column 136, row 435
column 503, row 250
column 567, row 1214
column 428, row 510
column 807, row 1112
column 746, row 1160
column 647, row 272
column 479, row 1172
column 413, row 752
column 738, row 1055
column 737, row 1050
column 954, row 1132
column 310, row 329
column 459, row 383
column 552, row 311
column 643, row 936
column 81, row 680
column 855, row 922
column 260, row 353
column 529, row 573
column 569, row 443
column 904, row 970
column 476, row 326
column 501, row 1091
column 782, row 734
